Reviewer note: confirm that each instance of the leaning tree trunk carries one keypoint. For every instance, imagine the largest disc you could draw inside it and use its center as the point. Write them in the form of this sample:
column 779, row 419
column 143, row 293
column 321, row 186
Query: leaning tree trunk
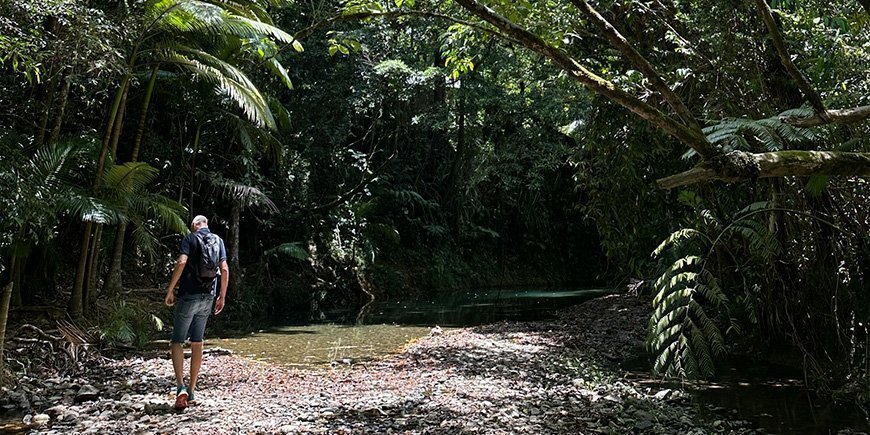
column 738, row 165
column 113, row 280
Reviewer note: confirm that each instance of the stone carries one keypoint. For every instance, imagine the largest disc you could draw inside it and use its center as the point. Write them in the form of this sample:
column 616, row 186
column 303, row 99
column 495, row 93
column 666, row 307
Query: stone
column 664, row 394
column 86, row 393
column 643, row 425
column 41, row 419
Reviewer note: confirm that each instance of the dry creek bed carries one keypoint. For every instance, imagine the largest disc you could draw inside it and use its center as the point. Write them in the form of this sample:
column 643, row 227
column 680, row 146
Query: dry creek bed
column 558, row 376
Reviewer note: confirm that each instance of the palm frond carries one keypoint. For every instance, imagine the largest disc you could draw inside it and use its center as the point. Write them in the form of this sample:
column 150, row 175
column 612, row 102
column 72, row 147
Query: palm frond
column 129, row 177
column 167, row 213
column 87, row 208
column 228, row 80
column 247, row 195
column 279, row 71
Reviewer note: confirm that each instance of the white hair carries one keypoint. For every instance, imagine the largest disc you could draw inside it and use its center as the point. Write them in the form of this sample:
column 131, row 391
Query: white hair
column 199, row 219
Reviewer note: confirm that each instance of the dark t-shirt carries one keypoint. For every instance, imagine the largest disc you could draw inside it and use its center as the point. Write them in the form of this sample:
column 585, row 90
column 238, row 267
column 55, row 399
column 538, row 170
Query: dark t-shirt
column 190, row 281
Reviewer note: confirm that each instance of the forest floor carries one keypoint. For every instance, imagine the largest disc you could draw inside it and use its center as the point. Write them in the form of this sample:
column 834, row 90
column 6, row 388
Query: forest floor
column 546, row 377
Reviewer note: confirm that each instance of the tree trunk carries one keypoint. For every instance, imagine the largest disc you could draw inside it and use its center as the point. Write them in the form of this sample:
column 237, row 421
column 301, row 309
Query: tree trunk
column 75, row 299
column 235, row 269
column 685, row 134
column 738, row 165
column 46, row 112
column 113, row 280
column 93, row 264
column 118, row 126
column 455, row 178
column 107, row 138
column 17, row 296
column 113, row 283
column 76, row 302
column 4, row 316
column 61, row 107
column 193, row 169
column 143, row 117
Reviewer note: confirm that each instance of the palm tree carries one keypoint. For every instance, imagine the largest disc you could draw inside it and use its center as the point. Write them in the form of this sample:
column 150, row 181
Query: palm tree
column 37, row 190
column 209, row 40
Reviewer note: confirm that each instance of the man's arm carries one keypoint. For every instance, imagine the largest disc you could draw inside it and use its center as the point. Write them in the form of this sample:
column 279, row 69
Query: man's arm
column 225, row 281
column 176, row 275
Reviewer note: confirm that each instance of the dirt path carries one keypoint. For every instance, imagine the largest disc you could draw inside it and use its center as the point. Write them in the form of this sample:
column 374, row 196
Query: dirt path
column 547, row 377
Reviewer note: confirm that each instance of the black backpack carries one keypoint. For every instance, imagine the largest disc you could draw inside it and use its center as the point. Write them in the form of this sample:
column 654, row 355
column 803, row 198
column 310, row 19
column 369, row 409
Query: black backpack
column 209, row 257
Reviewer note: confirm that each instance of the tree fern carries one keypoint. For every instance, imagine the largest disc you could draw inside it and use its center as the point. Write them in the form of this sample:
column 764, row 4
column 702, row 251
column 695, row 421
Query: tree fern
column 771, row 134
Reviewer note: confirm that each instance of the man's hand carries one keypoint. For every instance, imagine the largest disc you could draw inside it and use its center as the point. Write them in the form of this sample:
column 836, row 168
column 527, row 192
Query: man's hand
column 170, row 298
column 219, row 305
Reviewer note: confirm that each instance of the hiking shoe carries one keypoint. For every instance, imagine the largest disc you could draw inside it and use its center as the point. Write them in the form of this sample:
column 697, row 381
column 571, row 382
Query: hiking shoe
column 181, row 400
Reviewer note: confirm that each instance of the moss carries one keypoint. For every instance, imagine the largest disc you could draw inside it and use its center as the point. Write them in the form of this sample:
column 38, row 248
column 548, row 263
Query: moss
column 736, row 165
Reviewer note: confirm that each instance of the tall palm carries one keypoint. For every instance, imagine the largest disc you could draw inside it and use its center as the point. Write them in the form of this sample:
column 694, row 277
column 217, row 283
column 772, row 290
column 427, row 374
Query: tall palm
column 211, row 40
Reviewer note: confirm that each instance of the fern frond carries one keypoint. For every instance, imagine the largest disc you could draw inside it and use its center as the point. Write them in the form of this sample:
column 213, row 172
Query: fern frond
column 293, row 250
column 762, row 243
column 675, row 239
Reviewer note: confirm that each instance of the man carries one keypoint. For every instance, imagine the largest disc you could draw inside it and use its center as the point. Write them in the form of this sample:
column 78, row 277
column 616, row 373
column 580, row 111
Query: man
column 196, row 296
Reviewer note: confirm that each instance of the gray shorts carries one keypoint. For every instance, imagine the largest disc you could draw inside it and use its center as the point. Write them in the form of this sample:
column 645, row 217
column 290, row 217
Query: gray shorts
column 191, row 314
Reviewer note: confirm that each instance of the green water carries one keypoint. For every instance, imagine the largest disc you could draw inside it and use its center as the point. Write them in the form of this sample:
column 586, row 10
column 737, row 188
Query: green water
column 321, row 346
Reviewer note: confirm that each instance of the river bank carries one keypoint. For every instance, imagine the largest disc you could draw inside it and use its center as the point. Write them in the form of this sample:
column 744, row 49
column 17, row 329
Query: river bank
column 555, row 376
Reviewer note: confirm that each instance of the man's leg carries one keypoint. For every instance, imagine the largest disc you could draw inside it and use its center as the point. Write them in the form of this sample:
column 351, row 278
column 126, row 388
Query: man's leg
column 195, row 363
column 178, row 361
column 180, row 326
column 197, row 331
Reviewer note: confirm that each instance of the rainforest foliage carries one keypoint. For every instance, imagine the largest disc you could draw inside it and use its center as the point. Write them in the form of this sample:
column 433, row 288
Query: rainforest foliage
column 350, row 150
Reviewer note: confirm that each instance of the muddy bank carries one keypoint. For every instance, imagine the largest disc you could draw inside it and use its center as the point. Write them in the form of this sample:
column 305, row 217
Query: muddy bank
column 549, row 377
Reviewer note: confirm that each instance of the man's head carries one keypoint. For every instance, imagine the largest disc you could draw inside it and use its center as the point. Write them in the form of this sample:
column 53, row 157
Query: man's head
column 198, row 222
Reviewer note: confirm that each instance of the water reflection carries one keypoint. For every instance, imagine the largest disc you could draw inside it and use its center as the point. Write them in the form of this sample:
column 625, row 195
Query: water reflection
column 471, row 308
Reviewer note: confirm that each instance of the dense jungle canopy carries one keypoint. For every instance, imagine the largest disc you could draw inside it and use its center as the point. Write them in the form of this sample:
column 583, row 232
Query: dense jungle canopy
column 713, row 153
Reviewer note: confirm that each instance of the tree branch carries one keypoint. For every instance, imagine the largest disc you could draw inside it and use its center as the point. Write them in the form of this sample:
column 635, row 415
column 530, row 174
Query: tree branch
column 593, row 82
column 840, row 116
column 617, row 40
column 738, row 165
column 776, row 36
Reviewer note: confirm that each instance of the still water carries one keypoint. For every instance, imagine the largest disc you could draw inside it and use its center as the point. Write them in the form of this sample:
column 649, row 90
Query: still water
column 386, row 327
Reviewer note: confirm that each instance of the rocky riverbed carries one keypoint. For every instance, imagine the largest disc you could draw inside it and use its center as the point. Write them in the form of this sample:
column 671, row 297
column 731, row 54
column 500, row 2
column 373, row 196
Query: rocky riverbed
column 548, row 377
